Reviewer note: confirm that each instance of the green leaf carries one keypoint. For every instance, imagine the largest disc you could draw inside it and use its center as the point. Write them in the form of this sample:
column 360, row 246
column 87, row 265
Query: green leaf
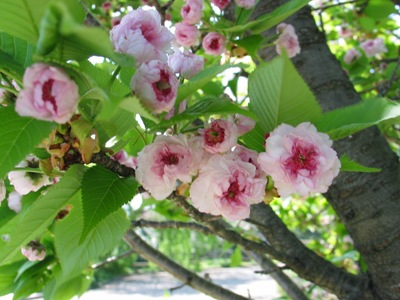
column 343, row 122
column 103, row 192
column 278, row 95
column 349, row 165
column 379, row 9
column 21, row 18
column 254, row 139
column 251, row 43
column 267, row 21
column 236, row 257
column 7, row 276
column 15, row 54
column 59, row 22
column 18, row 136
column 32, row 223
column 75, row 256
column 200, row 80
column 133, row 105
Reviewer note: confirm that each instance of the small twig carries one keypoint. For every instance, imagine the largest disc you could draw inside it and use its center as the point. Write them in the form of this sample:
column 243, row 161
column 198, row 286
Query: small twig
column 112, row 259
column 334, row 5
column 177, row 287
column 172, row 224
column 267, row 272
column 386, row 87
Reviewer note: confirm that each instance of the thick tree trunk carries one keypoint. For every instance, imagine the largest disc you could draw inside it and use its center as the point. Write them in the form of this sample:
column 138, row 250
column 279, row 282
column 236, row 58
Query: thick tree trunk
column 368, row 204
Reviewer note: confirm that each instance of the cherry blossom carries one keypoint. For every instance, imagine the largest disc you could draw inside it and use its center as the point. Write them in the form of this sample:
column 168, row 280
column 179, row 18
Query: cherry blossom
column 245, row 3
column 14, row 201
column 299, row 160
column 227, row 186
column 219, row 136
column 192, row 11
column 351, row 55
column 373, row 47
column 249, row 156
column 166, row 160
column 125, row 159
column 49, row 94
column 26, row 182
column 34, row 251
column 214, row 43
column 141, row 35
column 287, row 40
column 156, row 86
column 186, row 35
column 221, row 4
column 186, row 63
column 244, row 124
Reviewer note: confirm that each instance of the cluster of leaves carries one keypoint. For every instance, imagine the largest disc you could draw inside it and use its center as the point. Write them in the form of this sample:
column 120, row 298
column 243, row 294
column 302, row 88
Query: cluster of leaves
column 54, row 32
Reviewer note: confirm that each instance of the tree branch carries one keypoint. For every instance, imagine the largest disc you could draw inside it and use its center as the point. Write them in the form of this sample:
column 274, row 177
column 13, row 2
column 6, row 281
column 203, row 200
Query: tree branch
column 181, row 273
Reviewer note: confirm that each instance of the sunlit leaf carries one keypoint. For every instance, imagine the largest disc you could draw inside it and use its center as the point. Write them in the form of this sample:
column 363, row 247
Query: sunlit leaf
column 18, row 137
column 278, row 95
column 349, row 165
column 343, row 122
column 103, row 192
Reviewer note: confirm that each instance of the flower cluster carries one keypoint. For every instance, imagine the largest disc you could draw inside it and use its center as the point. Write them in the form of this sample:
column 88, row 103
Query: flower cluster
column 226, row 178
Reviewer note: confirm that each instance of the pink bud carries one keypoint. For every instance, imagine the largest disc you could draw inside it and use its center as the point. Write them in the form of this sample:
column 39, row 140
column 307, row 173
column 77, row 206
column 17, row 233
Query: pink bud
column 186, row 35
column 141, row 35
column 156, row 86
column 214, row 43
column 351, row 55
column 48, row 94
column 192, row 11
column 186, row 63
column 221, row 4
column 34, row 251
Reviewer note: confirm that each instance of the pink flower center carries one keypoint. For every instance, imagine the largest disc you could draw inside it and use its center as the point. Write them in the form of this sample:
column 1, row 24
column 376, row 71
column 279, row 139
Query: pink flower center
column 169, row 158
column 232, row 191
column 46, row 93
column 304, row 157
column 214, row 44
column 186, row 9
column 214, row 135
column 162, row 88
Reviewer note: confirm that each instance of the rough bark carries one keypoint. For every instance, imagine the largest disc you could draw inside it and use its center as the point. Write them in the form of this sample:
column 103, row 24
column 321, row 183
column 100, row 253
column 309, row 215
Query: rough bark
column 368, row 204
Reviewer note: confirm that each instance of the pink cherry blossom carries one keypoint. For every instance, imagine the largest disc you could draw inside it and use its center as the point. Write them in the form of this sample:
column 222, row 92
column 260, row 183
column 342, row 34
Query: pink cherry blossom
column 141, row 35
column 245, row 3
column 214, row 43
column 351, row 55
column 186, row 63
column 156, row 86
column 226, row 186
column 244, row 124
column 344, row 32
column 192, row 11
column 14, row 201
column 221, row 4
column 287, row 40
column 166, row 160
column 125, row 159
column 299, row 160
column 186, row 35
column 34, row 251
column 219, row 136
column 48, row 94
column 249, row 156
column 373, row 47
column 26, row 182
